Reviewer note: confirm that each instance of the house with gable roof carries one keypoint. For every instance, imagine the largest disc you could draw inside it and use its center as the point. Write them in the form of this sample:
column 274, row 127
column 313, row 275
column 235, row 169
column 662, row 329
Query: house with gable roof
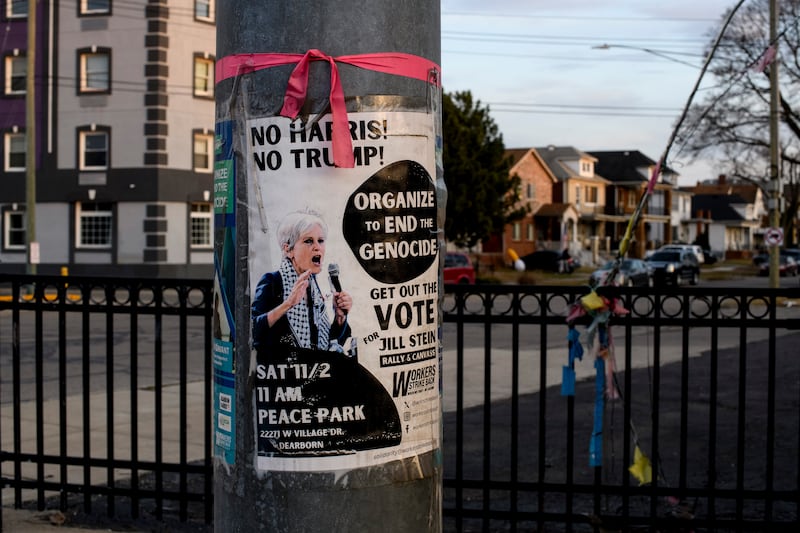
column 580, row 186
column 628, row 173
column 735, row 210
column 687, row 227
column 547, row 225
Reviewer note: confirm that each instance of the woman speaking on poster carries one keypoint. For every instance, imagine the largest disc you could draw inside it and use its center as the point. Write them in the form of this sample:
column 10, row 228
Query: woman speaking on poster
column 315, row 399
column 288, row 304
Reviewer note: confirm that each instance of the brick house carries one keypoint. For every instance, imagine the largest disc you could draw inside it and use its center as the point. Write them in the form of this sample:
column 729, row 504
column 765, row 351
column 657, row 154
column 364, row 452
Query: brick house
column 581, row 187
column 547, row 225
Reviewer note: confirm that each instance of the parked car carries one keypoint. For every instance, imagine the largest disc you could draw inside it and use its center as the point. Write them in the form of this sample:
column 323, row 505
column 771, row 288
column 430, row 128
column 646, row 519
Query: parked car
column 698, row 251
column 794, row 253
column 675, row 266
column 632, row 273
column 551, row 260
column 787, row 266
column 458, row 268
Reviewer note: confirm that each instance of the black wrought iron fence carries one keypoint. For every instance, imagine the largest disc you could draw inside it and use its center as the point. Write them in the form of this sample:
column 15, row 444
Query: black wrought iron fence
column 97, row 379
column 100, row 379
column 707, row 386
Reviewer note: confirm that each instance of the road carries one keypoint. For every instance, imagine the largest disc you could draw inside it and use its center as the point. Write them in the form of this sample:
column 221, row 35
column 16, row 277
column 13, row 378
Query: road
column 91, row 344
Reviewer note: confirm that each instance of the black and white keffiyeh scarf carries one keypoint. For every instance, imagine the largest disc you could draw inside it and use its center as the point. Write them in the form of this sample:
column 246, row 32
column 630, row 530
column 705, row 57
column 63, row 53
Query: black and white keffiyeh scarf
column 299, row 316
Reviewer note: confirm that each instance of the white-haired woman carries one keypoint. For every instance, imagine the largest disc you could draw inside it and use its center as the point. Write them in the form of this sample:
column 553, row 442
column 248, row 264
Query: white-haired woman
column 288, row 305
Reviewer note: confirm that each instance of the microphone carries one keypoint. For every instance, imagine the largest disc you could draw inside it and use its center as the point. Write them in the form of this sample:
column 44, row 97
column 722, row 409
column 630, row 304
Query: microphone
column 333, row 273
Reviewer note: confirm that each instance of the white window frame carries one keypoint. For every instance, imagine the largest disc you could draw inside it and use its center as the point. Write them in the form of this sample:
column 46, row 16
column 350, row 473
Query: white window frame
column 516, row 231
column 16, row 68
column 16, row 9
column 95, row 77
column 529, row 228
column 9, row 139
column 203, row 146
column 8, row 229
column 200, row 9
column 87, row 10
column 83, row 150
column 203, row 82
column 90, row 213
column 201, row 213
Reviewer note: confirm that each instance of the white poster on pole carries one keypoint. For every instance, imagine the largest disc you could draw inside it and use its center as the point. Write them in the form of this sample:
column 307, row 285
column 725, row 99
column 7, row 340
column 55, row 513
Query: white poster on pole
column 344, row 288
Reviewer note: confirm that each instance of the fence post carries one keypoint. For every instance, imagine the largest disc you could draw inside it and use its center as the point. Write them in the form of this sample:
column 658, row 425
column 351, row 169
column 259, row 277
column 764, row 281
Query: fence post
column 327, row 416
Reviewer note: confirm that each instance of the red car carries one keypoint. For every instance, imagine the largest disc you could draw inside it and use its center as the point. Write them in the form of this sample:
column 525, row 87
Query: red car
column 787, row 266
column 458, row 268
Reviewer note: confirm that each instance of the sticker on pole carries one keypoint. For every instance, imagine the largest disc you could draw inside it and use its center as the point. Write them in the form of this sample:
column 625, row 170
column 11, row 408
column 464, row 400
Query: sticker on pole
column 343, row 270
column 773, row 236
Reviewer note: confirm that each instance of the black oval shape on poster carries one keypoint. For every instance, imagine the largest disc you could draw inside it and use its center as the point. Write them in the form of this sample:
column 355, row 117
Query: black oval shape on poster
column 313, row 403
column 390, row 223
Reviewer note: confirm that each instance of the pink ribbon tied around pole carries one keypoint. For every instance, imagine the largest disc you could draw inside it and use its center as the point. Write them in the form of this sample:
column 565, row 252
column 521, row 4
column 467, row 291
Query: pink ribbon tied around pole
column 395, row 63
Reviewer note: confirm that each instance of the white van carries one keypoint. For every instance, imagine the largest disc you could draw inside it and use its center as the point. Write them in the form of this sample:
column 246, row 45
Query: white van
column 692, row 247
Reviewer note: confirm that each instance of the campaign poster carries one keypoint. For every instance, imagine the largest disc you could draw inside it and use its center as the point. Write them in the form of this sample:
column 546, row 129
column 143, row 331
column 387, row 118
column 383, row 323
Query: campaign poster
column 224, row 285
column 343, row 267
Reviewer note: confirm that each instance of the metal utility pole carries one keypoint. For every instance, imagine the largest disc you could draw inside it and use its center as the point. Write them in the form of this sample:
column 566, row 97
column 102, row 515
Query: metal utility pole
column 30, row 144
column 774, row 147
column 328, row 425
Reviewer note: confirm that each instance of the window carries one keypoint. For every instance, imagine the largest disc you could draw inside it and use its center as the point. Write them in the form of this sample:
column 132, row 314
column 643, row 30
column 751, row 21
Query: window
column 14, row 230
column 95, row 7
column 93, row 150
column 204, row 10
column 14, row 151
column 516, row 233
column 577, row 195
column 203, row 77
column 94, row 225
column 200, row 225
column 16, row 9
column 530, row 232
column 203, row 156
column 16, row 74
column 95, row 71
column 529, row 190
column 590, row 195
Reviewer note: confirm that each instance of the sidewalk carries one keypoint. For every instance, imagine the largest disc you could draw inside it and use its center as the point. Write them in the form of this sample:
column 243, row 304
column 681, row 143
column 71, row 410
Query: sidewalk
column 31, row 520
column 26, row 521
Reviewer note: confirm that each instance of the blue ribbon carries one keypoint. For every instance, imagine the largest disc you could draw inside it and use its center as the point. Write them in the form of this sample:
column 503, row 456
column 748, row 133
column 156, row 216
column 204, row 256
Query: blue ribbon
column 567, row 381
column 575, row 348
column 568, row 371
column 596, row 444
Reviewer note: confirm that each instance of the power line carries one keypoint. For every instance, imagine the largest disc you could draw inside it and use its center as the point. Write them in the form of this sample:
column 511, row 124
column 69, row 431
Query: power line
column 586, row 106
column 566, row 39
column 640, row 58
column 484, row 14
column 580, row 112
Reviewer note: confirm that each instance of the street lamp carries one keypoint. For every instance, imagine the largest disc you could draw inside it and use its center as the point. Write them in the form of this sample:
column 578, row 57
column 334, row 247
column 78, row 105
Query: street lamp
column 660, row 53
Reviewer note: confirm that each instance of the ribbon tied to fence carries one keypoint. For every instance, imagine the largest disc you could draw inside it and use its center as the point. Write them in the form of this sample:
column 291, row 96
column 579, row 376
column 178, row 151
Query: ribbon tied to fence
column 395, row 63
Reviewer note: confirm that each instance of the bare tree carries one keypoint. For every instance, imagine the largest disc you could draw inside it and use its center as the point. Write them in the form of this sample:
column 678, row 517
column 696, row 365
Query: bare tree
column 731, row 123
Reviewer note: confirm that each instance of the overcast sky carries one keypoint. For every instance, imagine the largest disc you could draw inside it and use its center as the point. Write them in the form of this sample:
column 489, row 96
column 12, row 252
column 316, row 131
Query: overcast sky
column 533, row 63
